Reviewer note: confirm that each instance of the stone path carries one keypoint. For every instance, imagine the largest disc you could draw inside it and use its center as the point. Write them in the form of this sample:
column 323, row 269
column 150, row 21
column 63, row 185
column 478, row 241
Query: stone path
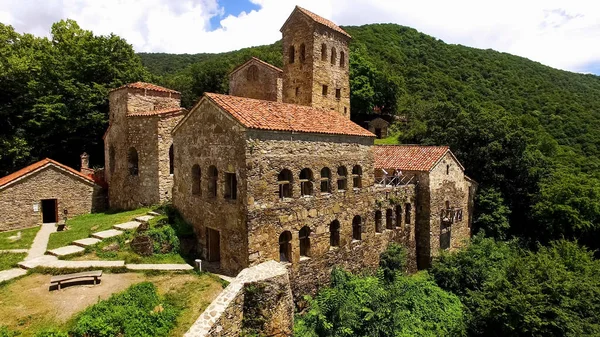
column 107, row 234
column 131, row 225
column 86, row 242
column 66, row 251
column 49, row 261
column 10, row 274
column 144, row 218
column 159, row 267
column 38, row 247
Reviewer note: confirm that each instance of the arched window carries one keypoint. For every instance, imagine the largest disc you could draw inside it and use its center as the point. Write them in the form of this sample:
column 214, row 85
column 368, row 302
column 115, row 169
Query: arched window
column 252, row 73
column 306, row 182
column 213, row 178
column 325, row 180
column 333, row 55
column 378, row 222
column 407, row 208
column 171, row 164
column 356, row 228
column 342, row 59
column 284, row 180
column 304, row 237
column 230, row 186
column 334, row 234
column 398, row 216
column 342, row 180
column 292, row 54
column 302, row 53
column 323, row 52
column 447, row 204
column 357, row 176
column 389, row 219
column 447, row 169
column 111, row 159
column 133, row 161
column 196, row 180
column 285, row 247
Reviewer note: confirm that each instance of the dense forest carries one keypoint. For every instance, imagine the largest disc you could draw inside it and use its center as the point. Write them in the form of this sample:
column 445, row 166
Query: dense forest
column 527, row 133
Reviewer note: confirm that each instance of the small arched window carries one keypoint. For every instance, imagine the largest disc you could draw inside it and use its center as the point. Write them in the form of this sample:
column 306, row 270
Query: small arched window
column 398, row 216
column 334, row 234
column 407, row 209
column 133, row 161
column 285, row 247
column 447, row 169
column 342, row 179
column 284, row 180
column 325, row 180
column 302, row 53
column 171, row 163
column 304, row 237
column 196, row 180
column 323, row 52
column 378, row 222
column 213, row 178
column 447, row 204
column 306, row 182
column 357, row 228
column 342, row 59
column 111, row 159
column 389, row 219
column 292, row 54
column 333, row 55
column 357, row 176
column 252, row 73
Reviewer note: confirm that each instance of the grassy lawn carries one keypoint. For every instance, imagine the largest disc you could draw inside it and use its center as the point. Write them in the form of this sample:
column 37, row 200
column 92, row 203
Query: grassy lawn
column 10, row 260
column 27, row 236
column 83, row 226
column 392, row 139
column 26, row 305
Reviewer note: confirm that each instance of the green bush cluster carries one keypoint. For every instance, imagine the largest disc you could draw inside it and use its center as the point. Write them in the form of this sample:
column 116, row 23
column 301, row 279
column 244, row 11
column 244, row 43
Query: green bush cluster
column 165, row 239
column 6, row 332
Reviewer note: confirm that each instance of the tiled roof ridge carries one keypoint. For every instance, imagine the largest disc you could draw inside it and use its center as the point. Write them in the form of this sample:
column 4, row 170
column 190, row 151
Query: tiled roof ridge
column 258, row 60
column 36, row 166
column 411, row 157
column 156, row 112
column 146, row 86
column 321, row 20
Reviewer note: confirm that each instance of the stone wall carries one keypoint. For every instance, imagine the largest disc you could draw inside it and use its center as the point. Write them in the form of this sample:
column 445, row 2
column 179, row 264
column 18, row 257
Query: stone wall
column 73, row 193
column 256, row 80
column 298, row 76
column 210, row 137
column 166, row 124
column 381, row 124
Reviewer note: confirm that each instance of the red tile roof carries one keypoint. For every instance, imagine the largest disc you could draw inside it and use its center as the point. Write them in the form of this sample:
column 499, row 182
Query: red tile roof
column 147, row 86
column 276, row 116
column 156, row 112
column 320, row 20
column 260, row 62
column 37, row 166
column 408, row 157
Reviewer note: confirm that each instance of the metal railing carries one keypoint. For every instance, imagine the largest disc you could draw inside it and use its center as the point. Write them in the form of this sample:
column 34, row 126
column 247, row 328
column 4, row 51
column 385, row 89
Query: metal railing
column 394, row 180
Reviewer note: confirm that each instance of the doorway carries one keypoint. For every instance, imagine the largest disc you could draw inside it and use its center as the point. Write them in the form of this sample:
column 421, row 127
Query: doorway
column 213, row 238
column 49, row 210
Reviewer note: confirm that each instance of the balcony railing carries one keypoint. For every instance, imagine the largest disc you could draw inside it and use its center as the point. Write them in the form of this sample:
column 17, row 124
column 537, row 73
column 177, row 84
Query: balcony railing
column 394, row 180
column 452, row 215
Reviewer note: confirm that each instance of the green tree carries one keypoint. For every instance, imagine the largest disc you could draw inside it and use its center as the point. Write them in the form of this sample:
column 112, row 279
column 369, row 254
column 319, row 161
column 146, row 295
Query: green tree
column 491, row 214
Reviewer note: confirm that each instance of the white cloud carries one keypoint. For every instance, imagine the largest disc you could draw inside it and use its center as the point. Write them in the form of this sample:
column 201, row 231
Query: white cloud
column 561, row 34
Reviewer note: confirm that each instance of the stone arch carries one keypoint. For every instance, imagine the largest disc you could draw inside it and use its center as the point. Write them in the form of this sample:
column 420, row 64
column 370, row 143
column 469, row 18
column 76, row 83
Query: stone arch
column 285, row 180
column 252, row 73
column 133, row 161
column 325, row 180
column 196, row 180
column 389, row 219
column 323, row 52
column 292, row 54
column 333, row 55
column 357, row 228
column 111, row 159
column 213, row 178
column 304, row 237
column 342, row 179
column 357, row 176
column 171, row 158
column 306, row 182
column 378, row 222
column 285, row 247
column 302, row 53
column 334, row 233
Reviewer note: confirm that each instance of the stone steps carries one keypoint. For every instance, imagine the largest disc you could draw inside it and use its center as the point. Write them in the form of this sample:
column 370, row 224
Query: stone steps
column 153, row 213
column 172, row 267
column 107, row 234
column 127, row 226
column 144, row 218
column 66, row 251
column 86, row 242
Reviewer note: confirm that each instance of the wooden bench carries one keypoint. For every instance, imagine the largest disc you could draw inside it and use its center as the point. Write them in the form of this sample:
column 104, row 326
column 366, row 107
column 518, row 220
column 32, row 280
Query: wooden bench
column 58, row 279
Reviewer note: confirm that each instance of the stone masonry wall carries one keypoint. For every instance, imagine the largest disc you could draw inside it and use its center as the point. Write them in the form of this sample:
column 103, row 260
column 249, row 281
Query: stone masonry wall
column 298, row 76
column 210, row 137
column 166, row 124
column 265, row 84
column 73, row 193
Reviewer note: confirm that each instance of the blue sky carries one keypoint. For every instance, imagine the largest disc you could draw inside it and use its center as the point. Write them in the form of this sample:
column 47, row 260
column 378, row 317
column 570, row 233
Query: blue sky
column 560, row 33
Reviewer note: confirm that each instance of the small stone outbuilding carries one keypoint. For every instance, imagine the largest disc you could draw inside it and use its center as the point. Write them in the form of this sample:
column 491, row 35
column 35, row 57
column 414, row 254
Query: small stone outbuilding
column 42, row 192
column 257, row 79
column 379, row 127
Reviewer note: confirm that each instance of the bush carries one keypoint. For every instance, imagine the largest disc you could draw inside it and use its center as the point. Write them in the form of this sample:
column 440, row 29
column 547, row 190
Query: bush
column 165, row 239
column 5, row 332
column 393, row 261
column 138, row 311
column 51, row 333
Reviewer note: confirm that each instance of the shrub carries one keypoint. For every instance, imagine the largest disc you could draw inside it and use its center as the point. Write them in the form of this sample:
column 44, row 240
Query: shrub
column 52, row 332
column 5, row 332
column 165, row 239
column 393, row 261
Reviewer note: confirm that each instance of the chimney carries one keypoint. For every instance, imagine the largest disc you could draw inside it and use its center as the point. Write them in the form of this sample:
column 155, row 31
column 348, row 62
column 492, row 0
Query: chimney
column 85, row 165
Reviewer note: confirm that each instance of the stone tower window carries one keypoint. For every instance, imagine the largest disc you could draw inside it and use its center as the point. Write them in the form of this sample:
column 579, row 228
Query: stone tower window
column 378, row 222
column 398, row 216
column 357, row 176
column 284, row 180
column 333, row 55
column 196, row 180
column 302, row 53
column 171, row 164
column 447, row 169
column 447, row 204
column 252, row 73
column 345, row 110
column 407, row 213
column 304, row 237
column 306, row 182
column 334, row 234
column 297, row 91
column 111, row 159
column 133, row 161
column 230, row 186
column 389, row 219
column 342, row 180
column 356, row 228
column 342, row 59
column 338, row 93
column 325, row 89
column 213, row 177
column 292, row 54
column 323, row 52
column 325, row 180
column 285, row 247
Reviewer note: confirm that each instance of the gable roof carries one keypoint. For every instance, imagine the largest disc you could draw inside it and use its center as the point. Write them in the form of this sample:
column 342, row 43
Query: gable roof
column 7, row 180
column 318, row 19
column 410, row 157
column 259, row 61
column 275, row 116
column 156, row 112
column 146, row 86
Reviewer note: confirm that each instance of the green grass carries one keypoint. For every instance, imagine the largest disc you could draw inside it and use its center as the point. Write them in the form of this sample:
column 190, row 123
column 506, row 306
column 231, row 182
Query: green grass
column 10, row 260
column 392, row 139
column 27, row 236
column 83, row 226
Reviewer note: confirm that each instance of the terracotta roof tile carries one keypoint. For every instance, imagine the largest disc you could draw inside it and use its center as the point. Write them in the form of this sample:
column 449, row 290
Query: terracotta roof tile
column 147, row 86
column 321, row 20
column 36, row 166
column 408, row 157
column 260, row 62
column 268, row 115
column 156, row 112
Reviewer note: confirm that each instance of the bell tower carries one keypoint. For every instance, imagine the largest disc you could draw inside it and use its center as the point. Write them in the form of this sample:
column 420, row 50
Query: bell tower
column 315, row 58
